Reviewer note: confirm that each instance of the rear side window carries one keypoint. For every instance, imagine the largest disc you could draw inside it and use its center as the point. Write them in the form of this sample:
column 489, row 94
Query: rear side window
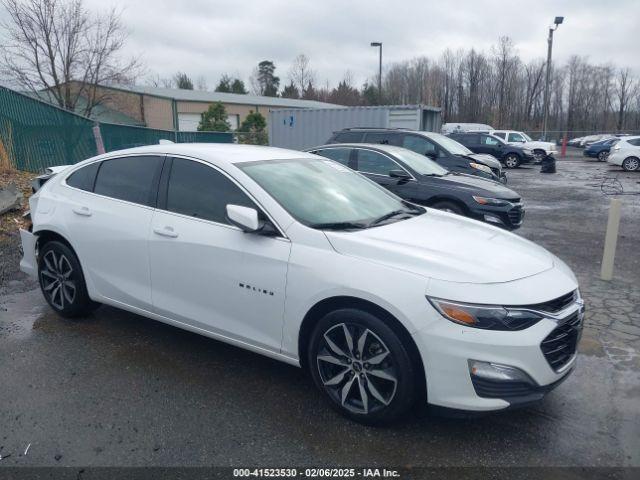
column 487, row 140
column 201, row 191
column 502, row 135
column 635, row 142
column 340, row 155
column 129, row 178
column 348, row 137
column 84, row 177
column 384, row 138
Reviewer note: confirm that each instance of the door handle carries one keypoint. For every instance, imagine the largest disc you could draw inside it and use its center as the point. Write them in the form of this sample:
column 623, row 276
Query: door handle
column 83, row 211
column 165, row 232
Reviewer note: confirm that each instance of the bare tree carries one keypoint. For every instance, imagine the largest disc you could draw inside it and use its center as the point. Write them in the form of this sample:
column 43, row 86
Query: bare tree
column 301, row 74
column 626, row 90
column 58, row 46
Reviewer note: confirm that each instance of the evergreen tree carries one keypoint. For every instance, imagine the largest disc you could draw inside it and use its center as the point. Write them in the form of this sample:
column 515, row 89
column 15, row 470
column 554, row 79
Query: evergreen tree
column 214, row 119
column 254, row 125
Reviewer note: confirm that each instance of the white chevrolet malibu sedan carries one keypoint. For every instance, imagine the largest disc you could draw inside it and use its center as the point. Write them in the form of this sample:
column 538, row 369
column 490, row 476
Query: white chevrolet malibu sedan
column 299, row 258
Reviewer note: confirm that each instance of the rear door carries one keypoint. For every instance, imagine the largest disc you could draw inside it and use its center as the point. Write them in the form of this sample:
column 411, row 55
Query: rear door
column 109, row 221
column 208, row 273
column 490, row 145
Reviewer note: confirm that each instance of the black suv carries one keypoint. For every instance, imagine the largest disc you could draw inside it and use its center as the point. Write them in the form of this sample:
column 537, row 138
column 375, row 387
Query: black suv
column 419, row 180
column 511, row 156
column 439, row 148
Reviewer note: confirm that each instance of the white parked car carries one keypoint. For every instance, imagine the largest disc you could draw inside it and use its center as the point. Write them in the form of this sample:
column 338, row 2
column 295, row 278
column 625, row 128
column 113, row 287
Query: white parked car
column 299, row 258
column 626, row 153
column 448, row 128
column 540, row 149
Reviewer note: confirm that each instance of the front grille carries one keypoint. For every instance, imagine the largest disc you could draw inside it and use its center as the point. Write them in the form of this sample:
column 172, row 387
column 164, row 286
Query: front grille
column 556, row 305
column 560, row 345
column 516, row 214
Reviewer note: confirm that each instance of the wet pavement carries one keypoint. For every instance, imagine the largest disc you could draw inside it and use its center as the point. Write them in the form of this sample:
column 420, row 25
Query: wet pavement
column 118, row 389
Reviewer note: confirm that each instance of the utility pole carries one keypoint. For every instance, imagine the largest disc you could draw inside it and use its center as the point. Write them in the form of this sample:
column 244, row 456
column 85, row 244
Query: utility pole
column 557, row 22
column 379, row 44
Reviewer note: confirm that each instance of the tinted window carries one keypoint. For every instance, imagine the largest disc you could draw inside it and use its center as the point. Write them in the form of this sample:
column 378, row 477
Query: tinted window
column 200, row 191
column 340, row 155
column 374, row 162
column 131, row 178
column 635, row 142
column 502, row 135
column 84, row 178
column 384, row 138
column 515, row 137
column 487, row 140
column 420, row 145
column 347, row 137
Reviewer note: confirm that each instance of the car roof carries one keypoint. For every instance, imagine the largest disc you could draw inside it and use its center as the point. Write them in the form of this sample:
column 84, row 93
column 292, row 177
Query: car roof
column 392, row 149
column 218, row 153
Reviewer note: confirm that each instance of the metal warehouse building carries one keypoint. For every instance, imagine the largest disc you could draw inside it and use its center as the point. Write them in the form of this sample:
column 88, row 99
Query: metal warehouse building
column 300, row 129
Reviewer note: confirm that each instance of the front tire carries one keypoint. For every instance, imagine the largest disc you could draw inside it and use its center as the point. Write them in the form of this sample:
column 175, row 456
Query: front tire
column 539, row 155
column 62, row 282
column 631, row 164
column 362, row 367
column 512, row 160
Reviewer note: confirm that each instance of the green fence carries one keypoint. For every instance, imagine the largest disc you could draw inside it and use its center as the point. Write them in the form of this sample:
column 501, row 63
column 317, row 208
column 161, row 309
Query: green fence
column 35, row 135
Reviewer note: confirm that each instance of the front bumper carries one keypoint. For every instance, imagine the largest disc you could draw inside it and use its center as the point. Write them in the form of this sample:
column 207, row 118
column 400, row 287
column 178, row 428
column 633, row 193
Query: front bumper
column 446, row 349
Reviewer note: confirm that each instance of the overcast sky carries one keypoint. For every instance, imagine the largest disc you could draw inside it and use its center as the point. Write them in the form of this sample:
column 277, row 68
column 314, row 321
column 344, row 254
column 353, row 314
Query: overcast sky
column 208, row 37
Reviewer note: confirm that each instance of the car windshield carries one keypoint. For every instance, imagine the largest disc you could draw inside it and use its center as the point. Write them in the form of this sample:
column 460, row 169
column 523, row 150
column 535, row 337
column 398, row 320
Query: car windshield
column 324, row 194
column 419, row 163
column 450, row 145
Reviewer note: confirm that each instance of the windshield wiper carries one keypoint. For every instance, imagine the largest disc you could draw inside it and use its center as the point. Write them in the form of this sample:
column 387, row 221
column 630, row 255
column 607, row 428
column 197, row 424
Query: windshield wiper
column 339, row 226
column 389, row 215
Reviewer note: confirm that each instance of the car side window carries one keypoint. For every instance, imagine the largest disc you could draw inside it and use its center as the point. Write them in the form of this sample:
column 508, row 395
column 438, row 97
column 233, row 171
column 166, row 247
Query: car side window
column 340, row 155
column 487, row 140
column 468, row 139
column 200, row 191
column 84, row 178
column 515, row 137
column 348, row 137
column 635, row 142
column 502, row 135
column 420, row 145
column 132, row 179
column 384, row 138
column 374, row 162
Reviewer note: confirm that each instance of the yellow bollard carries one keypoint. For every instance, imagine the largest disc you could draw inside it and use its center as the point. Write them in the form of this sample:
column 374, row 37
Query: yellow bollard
column 611, row 239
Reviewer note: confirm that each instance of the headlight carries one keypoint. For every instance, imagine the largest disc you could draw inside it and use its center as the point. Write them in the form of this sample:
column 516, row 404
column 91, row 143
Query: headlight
column 494, row 202
column 479, row 166
column 487, row 317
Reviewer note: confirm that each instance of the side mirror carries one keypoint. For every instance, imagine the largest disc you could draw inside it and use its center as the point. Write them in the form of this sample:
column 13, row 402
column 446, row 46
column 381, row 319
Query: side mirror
column 243, row 217
column 401, row 174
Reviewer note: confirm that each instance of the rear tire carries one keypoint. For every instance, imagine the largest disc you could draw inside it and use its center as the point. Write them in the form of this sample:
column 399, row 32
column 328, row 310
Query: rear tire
column 362, row 367
column 512, row 160
column 62, row 282
column 631, row 164
column 602, row 156
column 450, row 207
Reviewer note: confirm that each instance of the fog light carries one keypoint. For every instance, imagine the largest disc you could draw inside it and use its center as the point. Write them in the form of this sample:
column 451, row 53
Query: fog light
column 492, row 219
column 498, row 373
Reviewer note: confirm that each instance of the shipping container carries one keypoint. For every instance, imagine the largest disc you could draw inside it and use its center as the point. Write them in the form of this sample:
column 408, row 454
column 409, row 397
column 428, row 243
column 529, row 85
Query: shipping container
column 299, row 129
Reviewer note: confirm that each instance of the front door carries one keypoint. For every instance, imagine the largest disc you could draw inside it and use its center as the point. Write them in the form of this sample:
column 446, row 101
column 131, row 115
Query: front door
column 208, row 273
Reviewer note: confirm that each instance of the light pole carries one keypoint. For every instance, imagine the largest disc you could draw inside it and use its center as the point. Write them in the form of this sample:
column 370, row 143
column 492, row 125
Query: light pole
column 557, row 22
column 379, row 44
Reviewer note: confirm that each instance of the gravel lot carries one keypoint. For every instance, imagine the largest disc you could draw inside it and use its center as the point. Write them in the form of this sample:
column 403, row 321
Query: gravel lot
column 118, row 389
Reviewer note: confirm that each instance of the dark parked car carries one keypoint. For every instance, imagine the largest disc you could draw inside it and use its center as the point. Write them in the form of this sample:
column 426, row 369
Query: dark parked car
column 419, row 180
column 511, row 156
column 600, row 150
column 439, row 148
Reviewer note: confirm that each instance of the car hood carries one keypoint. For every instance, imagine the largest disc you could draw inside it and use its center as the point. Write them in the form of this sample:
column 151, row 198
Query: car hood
column 486, row 159
column 478, row 186
column 446, row 247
